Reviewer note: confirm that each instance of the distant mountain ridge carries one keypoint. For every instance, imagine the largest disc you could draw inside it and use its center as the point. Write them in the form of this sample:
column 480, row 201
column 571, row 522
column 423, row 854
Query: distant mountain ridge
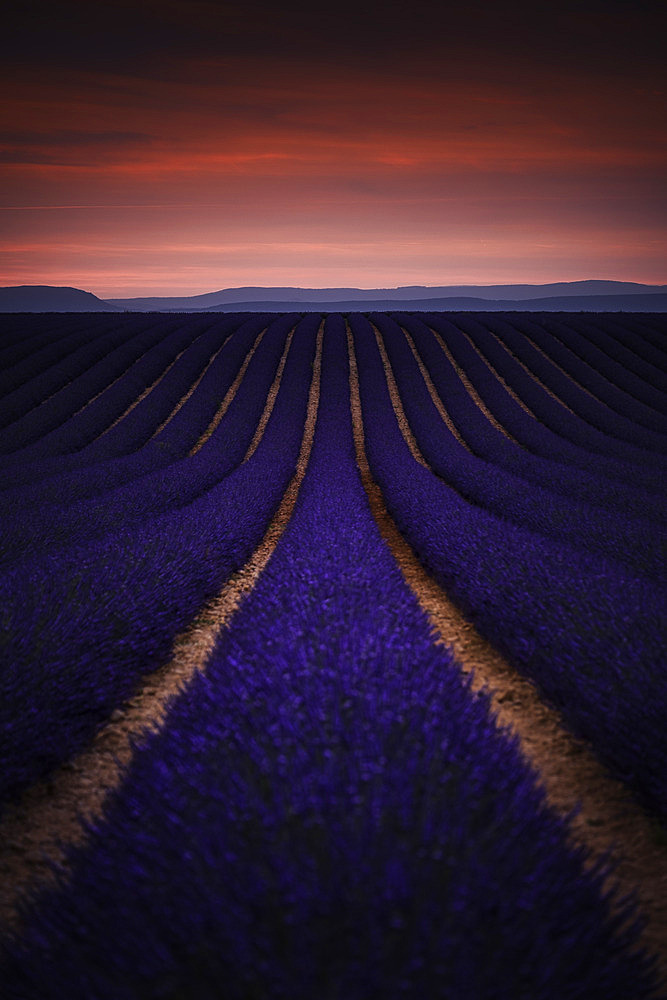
column 591, row 295
column 654, row 302
column 331, row 298
column 51, row 298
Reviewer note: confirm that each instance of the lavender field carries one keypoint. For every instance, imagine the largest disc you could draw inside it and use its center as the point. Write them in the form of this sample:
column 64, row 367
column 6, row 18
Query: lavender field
column 332, row 656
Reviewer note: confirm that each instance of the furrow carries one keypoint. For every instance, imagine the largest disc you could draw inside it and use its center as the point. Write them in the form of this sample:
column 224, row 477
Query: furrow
column 610, row 413
column 643, row 363
column 396, row 402
column 580, row 361
column 229, row 395
column 36, row 832
column 531, row 374
column 605, row 817
column 600, row 364
column 186, row 396
column 271, row 398
column 433, row 392
column 113, row 382
column 472, row 392
column 142, row 395
column 54, row 392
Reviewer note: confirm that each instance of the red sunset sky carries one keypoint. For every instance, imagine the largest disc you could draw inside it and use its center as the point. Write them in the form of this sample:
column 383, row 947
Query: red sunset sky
column 179, row 147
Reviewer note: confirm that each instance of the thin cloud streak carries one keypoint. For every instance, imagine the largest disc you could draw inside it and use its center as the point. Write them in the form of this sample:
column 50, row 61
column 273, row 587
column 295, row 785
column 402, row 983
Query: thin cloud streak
column 488, row 133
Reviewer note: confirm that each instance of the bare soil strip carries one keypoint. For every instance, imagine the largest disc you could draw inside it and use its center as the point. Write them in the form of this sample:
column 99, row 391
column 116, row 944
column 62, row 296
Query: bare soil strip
column 45, row 399
column 143, row 394
column 567, row 374
column 406, row 430
column 437, row 402
column 472, row 392
column 531, row 374
column 113, row 382
column 589, row 392
column 271, row 398
column 60, row 389
column 50, row 815
column 609, row 821
column 185, row 397
column 228, row 397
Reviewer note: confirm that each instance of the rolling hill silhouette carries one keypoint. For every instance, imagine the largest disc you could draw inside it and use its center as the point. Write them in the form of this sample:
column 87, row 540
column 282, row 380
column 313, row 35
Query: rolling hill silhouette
column 591, row 295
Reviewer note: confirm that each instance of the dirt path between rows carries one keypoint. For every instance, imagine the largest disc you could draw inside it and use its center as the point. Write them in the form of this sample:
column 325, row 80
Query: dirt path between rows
column 609, row 821
column 51, row 813
column 228, row 397
column 529, row 372
column 186, row 396
column 437, row 401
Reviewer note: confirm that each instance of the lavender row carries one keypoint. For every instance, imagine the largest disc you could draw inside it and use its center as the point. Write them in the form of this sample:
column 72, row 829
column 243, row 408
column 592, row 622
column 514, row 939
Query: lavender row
column 632, row 543
column 546, row 434
column 643, row 334
column 606, row 378
column 38, row 390
column 51, row 369
column 41, row 431
column 574, row 430
column 329, row 810
column 93, row 424
column 30, row 341
column 114, row 341
column 489, row 443
column 589, row 636
column 82, row 625
column 615, row 338
column 23, row 333
column 167, row 372
column 520, row 335
column 179, row 435
column 155, row 488
column 648, row 337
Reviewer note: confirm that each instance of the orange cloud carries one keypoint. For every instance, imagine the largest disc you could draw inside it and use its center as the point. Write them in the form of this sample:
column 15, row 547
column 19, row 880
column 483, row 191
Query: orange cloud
column 232, row 172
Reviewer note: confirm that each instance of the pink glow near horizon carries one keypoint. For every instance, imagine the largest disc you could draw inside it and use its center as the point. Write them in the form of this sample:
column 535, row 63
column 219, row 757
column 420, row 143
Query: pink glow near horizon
column 237, row 171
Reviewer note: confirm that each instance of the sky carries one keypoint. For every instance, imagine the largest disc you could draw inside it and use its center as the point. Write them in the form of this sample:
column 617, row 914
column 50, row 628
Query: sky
column 182, row 146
